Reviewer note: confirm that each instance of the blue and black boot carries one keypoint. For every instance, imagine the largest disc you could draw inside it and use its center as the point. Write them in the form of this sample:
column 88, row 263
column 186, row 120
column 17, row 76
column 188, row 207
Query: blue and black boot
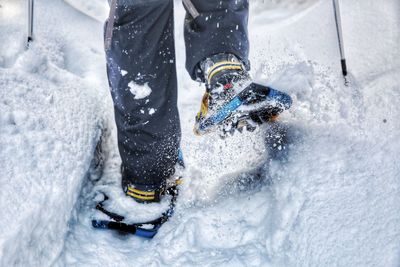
column 232, row 101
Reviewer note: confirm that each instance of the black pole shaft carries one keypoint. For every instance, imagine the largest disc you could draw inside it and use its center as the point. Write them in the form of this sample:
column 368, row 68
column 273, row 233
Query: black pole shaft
column 30, row 20
column 340, row 36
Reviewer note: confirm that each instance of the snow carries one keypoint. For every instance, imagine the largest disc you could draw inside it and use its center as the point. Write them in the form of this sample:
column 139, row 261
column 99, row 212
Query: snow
column 97, row 9
column 139, row 91
column 52, row 115
column 333, row 202
column 152, row 111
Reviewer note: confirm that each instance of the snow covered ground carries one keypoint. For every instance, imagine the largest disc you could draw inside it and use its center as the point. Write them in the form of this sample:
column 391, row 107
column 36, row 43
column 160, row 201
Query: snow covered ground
column 335, row 202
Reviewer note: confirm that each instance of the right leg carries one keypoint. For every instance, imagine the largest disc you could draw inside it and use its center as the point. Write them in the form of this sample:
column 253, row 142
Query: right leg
column 217, row 49
column 142, row 77
column 221, row 27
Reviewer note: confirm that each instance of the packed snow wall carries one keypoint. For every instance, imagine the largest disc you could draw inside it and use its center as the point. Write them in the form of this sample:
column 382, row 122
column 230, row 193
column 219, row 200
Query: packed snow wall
column 51, row 118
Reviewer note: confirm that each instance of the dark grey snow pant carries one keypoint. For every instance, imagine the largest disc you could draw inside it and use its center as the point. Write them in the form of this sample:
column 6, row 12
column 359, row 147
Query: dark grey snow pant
column 139, row 41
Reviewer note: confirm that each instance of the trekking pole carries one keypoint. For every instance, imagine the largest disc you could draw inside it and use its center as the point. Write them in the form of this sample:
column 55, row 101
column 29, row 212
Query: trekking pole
column 30, row 22
column 340, row 36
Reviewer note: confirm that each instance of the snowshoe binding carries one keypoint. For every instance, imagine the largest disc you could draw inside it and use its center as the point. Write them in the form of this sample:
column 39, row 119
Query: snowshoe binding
column 146, row 229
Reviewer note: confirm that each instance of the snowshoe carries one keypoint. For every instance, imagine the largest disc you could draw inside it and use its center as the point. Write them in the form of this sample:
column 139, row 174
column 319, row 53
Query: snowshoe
column 147, row 229
column 133, row 210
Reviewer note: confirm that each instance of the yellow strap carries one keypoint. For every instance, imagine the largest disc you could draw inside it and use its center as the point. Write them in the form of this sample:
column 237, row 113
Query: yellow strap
column 216, row 65
column 204, row 104
column 144, row 193
column 139, row 196
column 220, row 66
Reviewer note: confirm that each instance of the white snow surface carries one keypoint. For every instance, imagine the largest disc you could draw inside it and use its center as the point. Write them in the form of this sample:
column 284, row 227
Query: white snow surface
column 335, row 202
column 96, row 9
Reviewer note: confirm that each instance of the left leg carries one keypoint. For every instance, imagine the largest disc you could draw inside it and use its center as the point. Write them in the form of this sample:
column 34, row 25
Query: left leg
column 142, row 76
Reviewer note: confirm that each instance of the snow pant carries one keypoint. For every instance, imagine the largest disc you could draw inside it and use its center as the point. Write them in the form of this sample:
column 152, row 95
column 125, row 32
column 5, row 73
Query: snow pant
column 139, row 41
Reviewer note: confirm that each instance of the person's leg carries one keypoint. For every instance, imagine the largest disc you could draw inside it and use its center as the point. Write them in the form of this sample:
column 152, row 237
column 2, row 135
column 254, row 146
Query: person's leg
column 142, row 78
column 221, row 27
column 217, row 49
